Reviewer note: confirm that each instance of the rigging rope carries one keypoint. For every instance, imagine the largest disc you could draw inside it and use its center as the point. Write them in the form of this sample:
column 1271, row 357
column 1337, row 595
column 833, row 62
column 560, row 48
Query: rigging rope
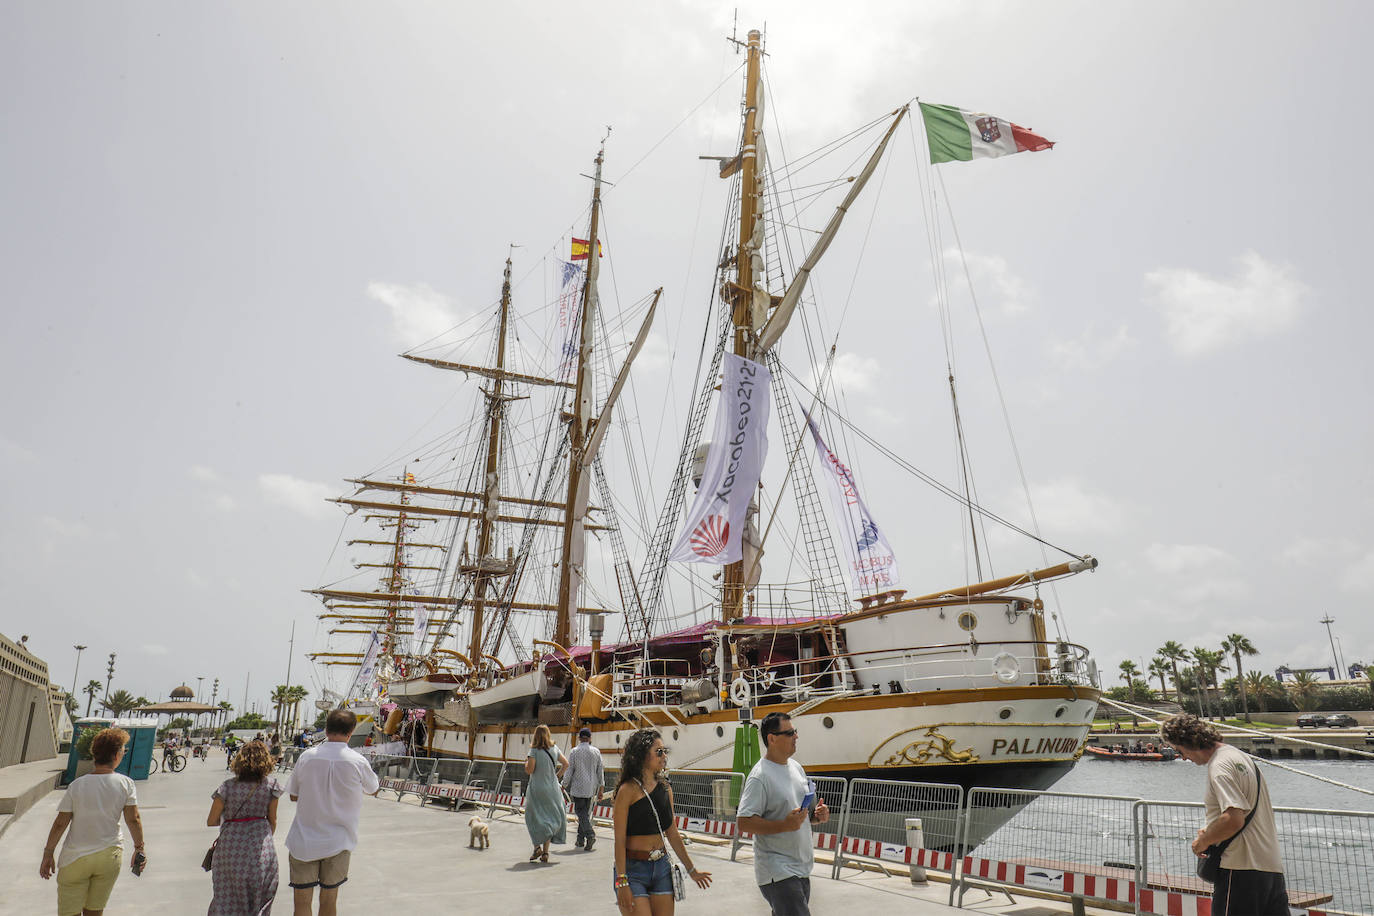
column 1147, row 714
column 922, row 475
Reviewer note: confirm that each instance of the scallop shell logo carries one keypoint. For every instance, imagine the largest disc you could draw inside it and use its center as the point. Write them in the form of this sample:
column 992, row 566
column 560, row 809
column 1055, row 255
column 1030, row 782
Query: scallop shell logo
column 711, row 536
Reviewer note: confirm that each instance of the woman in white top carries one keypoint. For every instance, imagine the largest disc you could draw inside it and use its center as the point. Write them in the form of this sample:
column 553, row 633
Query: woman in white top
column 94, row 851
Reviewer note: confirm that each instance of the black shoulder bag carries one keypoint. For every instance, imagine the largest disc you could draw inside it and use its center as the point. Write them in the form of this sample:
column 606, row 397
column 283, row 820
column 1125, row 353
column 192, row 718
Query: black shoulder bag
column 1209, row 863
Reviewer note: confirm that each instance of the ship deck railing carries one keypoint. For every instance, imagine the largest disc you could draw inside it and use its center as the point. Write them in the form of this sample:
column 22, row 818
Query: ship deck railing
column 910, row 669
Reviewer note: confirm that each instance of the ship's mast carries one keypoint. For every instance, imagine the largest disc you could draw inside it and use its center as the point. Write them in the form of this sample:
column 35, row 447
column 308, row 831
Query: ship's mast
column 396, row 581
column 491, row 489
column 575, row 508
column 750, row 239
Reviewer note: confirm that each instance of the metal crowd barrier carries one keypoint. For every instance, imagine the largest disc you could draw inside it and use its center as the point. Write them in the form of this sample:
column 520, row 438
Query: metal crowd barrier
column 1328, row 856
column 874, row 813
column 1104, row 850
column 1083, row 846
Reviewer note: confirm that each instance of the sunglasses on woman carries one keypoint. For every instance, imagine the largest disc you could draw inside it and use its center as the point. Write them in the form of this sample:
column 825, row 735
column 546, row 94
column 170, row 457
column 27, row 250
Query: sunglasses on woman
column 661, row 752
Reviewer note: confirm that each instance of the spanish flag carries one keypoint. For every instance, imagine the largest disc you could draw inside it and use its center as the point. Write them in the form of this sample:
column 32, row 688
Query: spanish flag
column 580, row 248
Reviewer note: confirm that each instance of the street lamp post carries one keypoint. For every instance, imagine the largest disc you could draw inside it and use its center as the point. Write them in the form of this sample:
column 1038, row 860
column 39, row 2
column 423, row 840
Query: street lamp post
column 1328, row 620
column 199, row 681
column 79, row 650
column 109, row 676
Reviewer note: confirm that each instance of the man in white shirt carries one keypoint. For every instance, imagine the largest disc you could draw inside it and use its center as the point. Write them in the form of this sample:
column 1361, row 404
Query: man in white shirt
column 327, row 784
column 1250, row 881
column 585, row 781
column 778, row 806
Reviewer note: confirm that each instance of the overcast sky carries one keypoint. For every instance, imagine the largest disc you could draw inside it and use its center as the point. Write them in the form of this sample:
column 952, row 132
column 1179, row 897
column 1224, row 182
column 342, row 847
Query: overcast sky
column 222, row 222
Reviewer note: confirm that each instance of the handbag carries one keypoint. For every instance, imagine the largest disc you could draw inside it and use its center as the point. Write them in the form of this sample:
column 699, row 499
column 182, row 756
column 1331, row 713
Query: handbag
column 674, row 866
column 208, row 862
column 1209, row 863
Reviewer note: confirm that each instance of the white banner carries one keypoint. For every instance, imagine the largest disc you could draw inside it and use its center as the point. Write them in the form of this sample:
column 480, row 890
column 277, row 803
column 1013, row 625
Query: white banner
column 733, row 465
column 871, row 561
column 569, row 316
column 367, row 671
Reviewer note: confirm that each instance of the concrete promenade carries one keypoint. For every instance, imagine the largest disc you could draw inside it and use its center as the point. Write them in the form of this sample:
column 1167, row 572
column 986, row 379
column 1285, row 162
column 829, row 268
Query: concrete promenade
column 415, row 861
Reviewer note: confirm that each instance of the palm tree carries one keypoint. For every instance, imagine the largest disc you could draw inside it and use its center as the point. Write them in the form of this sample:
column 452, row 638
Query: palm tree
column 1237, row 645
column 225, row 707
column 90, row 690
column 1174, row 653
column 1208, row 663
column 279, row 701
column 1263, row 686
column 71, row 704
column 141, row 702
column 1128, row 674
column 1303, row 690
column 296, row 694
column 1369, row 676
column 1159, row 666
column 120, row 702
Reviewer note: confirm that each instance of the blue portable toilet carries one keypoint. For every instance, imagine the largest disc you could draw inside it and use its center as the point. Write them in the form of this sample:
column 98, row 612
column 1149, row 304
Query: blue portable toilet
column 138, row 754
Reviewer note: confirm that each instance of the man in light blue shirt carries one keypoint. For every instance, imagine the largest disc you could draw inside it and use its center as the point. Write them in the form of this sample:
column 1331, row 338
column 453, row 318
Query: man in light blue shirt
column 778, row 806
column 585, row 781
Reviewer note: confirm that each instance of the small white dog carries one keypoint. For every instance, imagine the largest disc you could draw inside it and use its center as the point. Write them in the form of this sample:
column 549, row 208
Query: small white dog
column 481, row 836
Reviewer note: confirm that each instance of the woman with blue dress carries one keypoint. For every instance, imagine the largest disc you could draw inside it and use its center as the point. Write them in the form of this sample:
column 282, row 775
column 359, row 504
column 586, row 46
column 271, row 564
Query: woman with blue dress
column 546, row 818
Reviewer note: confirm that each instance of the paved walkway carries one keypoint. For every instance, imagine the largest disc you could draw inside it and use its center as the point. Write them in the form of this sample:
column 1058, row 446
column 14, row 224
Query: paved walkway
column 415, row 861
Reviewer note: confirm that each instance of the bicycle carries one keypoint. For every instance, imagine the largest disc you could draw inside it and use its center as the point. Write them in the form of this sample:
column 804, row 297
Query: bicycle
column 171, row 760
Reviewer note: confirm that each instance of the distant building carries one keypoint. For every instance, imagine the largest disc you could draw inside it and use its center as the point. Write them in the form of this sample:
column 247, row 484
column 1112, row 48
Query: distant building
column 28, row 704
column 1284, row 673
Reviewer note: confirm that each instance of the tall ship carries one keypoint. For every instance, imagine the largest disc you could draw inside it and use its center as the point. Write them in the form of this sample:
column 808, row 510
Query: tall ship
column 501, row 557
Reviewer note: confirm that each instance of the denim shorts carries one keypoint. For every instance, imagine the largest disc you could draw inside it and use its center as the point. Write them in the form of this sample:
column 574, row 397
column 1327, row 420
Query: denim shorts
column 649, row 878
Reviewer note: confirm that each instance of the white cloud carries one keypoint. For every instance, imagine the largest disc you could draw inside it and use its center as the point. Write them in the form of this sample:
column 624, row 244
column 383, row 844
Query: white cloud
column 1359, row 576
column 850, row 372
column 203, row 474
column 65, row 529
column 419, row 313
column 1204, row 313
column 992, row 279
column 1067, row 508
column 223, row 502
column 1089, row 351
column 1181, row 558
column 1311, row 551
column 305, row 497
column 153, row 648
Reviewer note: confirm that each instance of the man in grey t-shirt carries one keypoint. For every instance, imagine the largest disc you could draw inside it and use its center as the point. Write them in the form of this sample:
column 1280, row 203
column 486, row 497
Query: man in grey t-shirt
column 774, row 807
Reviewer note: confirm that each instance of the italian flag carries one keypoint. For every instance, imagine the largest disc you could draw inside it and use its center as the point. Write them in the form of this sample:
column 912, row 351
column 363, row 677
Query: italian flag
column 958, row 135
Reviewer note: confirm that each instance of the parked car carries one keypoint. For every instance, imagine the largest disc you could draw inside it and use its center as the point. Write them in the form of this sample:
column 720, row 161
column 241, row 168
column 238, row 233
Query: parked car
column 1341, row 720
column 1311, row 720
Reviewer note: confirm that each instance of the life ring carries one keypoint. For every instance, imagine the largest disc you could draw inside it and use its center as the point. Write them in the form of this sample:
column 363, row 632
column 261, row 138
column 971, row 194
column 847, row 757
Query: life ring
column 740, row 692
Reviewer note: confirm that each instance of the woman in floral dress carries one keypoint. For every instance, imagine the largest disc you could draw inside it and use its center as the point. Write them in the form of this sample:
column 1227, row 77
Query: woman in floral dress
column 245, row 810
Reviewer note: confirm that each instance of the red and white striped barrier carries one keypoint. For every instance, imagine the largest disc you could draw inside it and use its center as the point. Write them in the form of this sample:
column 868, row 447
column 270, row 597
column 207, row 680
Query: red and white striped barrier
column 1097, row 887
column 891, row 852
column 1174, row 903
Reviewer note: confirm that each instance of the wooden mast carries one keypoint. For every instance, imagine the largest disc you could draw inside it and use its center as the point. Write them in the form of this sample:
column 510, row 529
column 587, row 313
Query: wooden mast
column 491, row 490
column 750, row 215
column 575, row 507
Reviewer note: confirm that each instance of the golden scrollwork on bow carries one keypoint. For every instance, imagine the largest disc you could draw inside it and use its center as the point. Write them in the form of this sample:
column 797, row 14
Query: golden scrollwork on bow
column 934, row 746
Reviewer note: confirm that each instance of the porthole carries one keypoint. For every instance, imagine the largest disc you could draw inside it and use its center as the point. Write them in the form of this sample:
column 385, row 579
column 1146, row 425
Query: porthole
column 674, row 734
column 828, row 722
column 968, row 620
column 1004, row 712
column 617, row 739
column 1059, row 712
column 720, row 732
column 1088, row 713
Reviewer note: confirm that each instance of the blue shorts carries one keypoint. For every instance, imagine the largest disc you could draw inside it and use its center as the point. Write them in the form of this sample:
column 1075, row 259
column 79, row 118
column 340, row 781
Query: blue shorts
column 649, row 878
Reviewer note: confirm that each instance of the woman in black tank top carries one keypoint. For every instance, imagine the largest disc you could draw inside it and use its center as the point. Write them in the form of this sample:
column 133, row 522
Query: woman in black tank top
column 643, row 816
